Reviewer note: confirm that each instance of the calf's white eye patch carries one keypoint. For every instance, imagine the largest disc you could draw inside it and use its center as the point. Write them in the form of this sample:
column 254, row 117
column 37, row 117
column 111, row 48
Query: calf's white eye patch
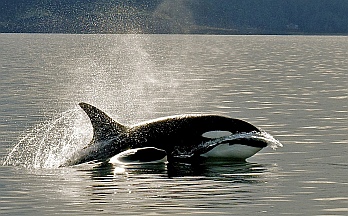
column 216, row 134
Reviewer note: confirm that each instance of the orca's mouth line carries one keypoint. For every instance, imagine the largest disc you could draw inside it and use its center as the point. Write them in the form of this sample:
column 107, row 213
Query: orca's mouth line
column 250, row 136
column 247, row 138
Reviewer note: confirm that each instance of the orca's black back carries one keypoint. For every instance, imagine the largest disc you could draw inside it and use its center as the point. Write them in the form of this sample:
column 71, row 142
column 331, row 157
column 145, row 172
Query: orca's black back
column 185, row 130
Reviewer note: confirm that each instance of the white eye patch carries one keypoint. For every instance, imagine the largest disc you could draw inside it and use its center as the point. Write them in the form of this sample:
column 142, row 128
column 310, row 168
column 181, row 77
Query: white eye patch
column 216, row 134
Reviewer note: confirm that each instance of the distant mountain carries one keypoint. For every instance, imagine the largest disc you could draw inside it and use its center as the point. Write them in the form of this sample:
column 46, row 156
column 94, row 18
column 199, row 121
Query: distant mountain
column 175, row 16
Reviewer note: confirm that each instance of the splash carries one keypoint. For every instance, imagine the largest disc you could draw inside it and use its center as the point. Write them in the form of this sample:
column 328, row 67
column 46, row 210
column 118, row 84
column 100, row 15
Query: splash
column 51, row 143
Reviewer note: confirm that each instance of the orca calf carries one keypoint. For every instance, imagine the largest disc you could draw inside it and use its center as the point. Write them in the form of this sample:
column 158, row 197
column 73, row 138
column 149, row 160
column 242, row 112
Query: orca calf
column 140, row 156
column 185, row 138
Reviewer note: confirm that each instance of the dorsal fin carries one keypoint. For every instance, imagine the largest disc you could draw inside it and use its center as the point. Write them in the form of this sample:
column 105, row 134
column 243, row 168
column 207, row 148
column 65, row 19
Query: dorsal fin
column 104, row 127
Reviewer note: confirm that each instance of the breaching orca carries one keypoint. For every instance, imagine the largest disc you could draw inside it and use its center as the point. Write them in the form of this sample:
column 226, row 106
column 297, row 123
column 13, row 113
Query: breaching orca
column 178, row 138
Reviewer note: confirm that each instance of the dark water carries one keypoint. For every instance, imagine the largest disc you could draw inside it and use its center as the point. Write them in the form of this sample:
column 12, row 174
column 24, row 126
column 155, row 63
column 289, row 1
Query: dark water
column 294, row 87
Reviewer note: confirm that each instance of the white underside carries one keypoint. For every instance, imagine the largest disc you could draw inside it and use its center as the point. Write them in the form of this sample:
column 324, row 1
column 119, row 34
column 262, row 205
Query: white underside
column 119, row 158
column 235, row 151
column 232, row 152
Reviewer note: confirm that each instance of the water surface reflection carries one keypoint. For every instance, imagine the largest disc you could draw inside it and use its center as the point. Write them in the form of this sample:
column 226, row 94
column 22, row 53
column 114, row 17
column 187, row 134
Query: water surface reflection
column 214, row 169
column 177, row 186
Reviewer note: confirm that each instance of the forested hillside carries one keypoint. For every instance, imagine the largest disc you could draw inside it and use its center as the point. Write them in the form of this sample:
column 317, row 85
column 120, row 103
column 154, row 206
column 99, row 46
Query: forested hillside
column 175, row 16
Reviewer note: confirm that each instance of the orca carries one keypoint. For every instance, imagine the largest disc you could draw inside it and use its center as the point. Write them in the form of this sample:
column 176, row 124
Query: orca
column 186, row 138
column 140, row 156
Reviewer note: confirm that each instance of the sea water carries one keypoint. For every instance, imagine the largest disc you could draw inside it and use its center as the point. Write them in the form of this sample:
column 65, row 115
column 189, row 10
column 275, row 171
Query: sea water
column 293, row 87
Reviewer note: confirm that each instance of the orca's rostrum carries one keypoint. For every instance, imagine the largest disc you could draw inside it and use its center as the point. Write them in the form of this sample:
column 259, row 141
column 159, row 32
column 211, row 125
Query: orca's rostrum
column 179, row 138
